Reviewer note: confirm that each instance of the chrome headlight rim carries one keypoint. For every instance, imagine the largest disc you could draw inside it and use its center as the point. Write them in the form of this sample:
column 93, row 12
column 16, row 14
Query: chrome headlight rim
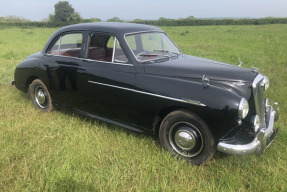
column 243, row 108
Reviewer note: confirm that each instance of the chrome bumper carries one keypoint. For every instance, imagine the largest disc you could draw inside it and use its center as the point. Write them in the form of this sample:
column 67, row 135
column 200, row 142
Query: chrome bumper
column 262, row 140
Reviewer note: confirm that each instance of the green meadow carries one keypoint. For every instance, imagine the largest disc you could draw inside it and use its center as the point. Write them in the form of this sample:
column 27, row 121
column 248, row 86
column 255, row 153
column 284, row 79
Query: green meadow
column 63, row 151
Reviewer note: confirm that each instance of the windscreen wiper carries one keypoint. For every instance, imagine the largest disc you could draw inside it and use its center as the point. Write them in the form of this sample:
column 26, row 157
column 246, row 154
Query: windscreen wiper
column 145, row 54
column 165, row 51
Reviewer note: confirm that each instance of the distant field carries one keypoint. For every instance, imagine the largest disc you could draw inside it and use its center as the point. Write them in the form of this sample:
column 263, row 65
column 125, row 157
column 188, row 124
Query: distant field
column 62, row 151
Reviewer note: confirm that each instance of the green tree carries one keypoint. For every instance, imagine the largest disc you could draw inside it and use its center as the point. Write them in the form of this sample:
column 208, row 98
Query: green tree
column 64, row 14
column 162, row 19
column 74, row 18
column 12, row 18
column 91, row 20
column 190, row 18
column 137, row 21
column 114, row 19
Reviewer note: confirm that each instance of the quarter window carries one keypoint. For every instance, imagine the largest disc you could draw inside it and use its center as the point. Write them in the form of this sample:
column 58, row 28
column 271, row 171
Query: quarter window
column 119, row 55
column 67, row 45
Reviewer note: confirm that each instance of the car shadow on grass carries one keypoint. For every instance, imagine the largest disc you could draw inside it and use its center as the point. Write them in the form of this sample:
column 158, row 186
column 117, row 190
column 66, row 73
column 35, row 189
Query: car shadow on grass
column 70, row 184
column 94, row 121
column 139, row 135
column 217, row 156
column 103, row 123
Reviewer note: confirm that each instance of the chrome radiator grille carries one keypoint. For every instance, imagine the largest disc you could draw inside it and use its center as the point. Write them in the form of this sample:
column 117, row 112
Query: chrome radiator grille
column 258, row 93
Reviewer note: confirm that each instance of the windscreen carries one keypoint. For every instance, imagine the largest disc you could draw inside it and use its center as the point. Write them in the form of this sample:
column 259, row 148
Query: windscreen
column 151, row 46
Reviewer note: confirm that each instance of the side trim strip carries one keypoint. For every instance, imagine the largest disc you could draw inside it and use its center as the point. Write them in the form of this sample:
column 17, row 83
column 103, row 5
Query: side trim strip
column 198, row 103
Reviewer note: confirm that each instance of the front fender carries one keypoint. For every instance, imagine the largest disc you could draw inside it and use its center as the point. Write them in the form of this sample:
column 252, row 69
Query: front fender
column 218, row 104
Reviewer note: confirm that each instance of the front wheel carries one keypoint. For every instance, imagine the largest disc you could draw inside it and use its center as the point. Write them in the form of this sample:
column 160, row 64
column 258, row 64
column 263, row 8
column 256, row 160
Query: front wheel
column 187, row 136
column 40, row 96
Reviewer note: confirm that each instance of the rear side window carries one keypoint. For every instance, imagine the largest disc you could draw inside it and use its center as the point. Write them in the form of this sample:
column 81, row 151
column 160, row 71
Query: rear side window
column 67, row 45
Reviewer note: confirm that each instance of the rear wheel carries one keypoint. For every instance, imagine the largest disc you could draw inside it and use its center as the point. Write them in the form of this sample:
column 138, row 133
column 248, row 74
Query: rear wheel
column 40, row 96
column 187, row 136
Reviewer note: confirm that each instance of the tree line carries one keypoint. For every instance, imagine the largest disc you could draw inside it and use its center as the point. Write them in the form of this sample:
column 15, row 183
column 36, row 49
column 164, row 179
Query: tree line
column 169, row 22
column 202, row 22
column 65, row 14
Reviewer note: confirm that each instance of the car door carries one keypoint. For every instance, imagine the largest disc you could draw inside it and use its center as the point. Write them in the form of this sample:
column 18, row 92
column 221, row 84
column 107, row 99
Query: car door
column 107, row 79
column 62, row 59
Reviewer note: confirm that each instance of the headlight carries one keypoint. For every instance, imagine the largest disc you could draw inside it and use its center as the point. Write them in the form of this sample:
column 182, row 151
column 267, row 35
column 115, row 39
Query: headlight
column 265, row 83
column 243, row 108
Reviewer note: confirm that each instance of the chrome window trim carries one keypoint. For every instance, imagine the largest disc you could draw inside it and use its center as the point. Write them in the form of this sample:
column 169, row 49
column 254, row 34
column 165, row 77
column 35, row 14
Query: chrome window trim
column 113, row 56
column 138, row 32
column 91, row 60
column 59, row 47
column 86, row 59
column 197, row 103
column 79, row 58
column 107, row 62
column 114, row 48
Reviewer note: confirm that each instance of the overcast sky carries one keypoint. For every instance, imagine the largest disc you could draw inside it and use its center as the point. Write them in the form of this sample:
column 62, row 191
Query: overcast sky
column 37, row 10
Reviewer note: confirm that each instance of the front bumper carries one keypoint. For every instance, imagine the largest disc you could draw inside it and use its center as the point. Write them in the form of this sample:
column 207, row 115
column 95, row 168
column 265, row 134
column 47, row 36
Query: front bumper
column 262, row 140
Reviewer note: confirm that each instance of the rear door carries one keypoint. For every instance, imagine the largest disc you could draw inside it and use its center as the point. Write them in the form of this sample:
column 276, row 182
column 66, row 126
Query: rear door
column 62, row 61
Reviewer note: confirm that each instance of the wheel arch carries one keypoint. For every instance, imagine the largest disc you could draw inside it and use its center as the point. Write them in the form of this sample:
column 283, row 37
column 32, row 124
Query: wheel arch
column 164, row 112
column 29, row 81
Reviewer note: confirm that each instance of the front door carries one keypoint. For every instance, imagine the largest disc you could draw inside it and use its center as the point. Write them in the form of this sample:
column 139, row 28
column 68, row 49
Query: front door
column 107, row 80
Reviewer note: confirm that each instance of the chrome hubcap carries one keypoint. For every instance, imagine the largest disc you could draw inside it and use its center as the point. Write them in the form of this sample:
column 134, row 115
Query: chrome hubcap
column 40, row 97
column 184, row 140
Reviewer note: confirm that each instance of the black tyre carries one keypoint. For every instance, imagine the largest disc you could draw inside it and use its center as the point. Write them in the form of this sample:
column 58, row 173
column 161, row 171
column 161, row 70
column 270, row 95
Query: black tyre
column 187, row 136
column 40, row 96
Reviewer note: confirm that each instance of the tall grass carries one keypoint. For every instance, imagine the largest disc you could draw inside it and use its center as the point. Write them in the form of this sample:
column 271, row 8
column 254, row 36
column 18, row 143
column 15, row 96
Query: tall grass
column 62, row 151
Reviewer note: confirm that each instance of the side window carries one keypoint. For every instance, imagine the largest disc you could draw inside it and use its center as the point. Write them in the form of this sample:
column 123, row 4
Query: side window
column 101, row 48
column 54, row 50
column 67, row 45
column 111, row 42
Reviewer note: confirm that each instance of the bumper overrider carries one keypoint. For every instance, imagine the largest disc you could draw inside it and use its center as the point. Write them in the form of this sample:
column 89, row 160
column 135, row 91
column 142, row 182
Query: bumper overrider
column 262, row 140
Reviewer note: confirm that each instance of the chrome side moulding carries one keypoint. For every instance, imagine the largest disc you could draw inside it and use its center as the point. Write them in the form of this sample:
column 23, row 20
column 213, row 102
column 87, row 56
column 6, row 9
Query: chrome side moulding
column 262, row 140
column 193, row 102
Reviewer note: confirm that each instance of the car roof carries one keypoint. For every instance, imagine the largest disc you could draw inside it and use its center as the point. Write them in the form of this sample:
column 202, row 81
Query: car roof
column 118, row 28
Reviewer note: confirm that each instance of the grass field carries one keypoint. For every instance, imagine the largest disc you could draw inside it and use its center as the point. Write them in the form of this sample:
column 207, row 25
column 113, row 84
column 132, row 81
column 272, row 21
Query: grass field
column 62, row 151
